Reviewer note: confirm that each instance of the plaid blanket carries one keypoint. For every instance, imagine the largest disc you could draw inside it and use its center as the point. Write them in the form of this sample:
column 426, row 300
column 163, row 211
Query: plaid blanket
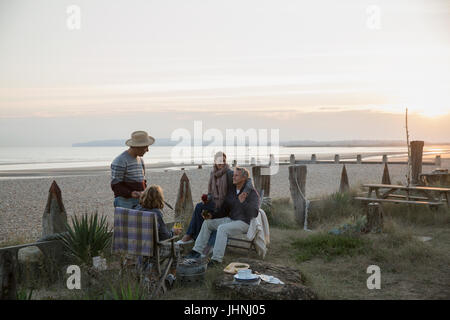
column 133, row 232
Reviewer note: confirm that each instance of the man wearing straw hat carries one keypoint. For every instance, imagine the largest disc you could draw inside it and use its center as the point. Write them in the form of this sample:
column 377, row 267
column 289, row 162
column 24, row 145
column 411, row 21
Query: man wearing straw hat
column 128, row 171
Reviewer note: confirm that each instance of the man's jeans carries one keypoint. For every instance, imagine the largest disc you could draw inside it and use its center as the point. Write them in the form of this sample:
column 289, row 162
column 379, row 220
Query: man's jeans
column 128, row 203
column 225, row 228
column 197, row 221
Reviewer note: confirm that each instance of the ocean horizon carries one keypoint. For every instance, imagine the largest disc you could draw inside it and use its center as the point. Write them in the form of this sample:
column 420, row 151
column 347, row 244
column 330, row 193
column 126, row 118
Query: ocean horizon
column 36, row 158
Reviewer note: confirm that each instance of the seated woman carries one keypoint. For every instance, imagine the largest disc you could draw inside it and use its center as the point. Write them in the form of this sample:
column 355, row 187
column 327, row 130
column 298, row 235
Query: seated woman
column 220, row 183
column 152, row 199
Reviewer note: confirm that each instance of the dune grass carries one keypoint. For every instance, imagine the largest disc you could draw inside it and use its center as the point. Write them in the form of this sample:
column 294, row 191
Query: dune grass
column 335, row 266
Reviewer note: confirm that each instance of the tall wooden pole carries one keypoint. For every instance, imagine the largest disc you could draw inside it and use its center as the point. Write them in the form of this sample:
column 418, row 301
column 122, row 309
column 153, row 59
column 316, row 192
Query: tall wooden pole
column 297, row 182
column 408, row 175
column 416, row 160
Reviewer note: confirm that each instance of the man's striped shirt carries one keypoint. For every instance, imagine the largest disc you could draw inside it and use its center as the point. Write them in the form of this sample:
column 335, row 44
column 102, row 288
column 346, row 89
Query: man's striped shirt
column 127, row 175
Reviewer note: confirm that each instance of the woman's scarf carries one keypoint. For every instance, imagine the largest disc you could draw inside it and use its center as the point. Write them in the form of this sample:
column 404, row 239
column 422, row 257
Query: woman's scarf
column 218, row 184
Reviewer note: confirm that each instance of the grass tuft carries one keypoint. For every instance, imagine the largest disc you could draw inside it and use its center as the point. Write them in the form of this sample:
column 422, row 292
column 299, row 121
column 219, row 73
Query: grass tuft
column 327, row 246
column 281, row 214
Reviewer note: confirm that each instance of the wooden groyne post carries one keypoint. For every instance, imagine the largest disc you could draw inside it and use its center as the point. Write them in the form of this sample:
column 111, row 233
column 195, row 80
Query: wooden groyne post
column 336, row 158
column 292, row 159
column 313, row 158
column 437, row 161
column 54, row 218
column 386, row 179
column 374, row 217
column 261, row 179
column 385, row 158
column 184, row 205
column 344, row 185
column 416, row 160
column 8, row 277
column 297, row 184
column 358, row 159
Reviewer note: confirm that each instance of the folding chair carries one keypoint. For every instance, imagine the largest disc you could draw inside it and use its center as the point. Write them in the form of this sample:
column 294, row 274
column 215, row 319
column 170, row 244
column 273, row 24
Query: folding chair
column 136, row 234
column 241, row 241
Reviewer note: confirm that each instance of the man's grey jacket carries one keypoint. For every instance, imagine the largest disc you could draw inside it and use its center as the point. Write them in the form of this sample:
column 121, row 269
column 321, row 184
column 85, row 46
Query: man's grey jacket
column 236, row 210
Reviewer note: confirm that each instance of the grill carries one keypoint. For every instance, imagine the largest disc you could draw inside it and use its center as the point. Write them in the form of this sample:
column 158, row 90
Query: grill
column 191, row 272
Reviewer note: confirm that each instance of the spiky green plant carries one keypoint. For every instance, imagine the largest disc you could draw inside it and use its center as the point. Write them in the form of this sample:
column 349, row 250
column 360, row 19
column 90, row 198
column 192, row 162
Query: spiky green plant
column 128, row 292
column 87, row 237
column 23, row 295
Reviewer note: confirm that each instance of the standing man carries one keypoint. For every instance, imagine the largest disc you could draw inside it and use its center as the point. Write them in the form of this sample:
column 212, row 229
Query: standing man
column 232, row 218
column 128, row 171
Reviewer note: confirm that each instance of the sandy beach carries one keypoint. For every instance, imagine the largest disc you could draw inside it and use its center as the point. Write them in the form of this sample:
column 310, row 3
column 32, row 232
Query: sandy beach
column 22, row 200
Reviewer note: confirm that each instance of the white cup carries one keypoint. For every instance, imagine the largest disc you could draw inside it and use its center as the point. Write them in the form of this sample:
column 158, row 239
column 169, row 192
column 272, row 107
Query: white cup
column 244, row 273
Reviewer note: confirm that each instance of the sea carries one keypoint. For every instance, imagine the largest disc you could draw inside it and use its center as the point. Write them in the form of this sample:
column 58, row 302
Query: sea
column 36, row 158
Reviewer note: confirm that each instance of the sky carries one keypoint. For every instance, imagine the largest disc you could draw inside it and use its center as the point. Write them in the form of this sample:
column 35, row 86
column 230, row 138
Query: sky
column 77, row 71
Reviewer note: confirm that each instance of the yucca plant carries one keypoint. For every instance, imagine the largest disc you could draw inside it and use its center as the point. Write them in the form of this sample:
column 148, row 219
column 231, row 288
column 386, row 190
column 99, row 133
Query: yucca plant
column 128, row 292
column 23, row 295
column 87, row 237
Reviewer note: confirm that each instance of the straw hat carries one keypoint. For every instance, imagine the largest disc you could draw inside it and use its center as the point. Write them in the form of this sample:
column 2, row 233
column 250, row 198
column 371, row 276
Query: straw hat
column 140, row 139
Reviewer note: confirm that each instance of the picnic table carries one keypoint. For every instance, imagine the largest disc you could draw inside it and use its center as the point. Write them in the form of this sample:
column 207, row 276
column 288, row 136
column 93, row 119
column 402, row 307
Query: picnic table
column 420, row 195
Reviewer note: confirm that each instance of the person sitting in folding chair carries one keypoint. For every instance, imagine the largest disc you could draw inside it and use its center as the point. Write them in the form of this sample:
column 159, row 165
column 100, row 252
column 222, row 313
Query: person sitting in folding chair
column 219, row 185
column 152, row 199
column 232, row 218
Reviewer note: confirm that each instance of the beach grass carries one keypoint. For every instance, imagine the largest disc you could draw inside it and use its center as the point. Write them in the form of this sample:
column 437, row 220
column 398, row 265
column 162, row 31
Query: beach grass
column 335, row 266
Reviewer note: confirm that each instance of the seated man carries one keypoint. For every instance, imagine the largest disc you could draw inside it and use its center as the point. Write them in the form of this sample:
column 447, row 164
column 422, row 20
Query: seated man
column 232, row 218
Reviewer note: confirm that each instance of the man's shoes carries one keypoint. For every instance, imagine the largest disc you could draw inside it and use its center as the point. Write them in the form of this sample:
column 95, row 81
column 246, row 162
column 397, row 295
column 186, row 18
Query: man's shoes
column 193, row 255
column 213, row 263
column 170, row 279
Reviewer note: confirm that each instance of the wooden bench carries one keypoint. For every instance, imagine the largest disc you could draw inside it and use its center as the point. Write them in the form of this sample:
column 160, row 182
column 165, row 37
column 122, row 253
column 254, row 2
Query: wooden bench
column 430, row 203
column 386, row 193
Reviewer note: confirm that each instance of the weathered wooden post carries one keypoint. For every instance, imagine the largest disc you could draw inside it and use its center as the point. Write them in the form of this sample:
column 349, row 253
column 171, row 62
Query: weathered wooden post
column 292, row 159
column 385, row 158
column 336, row 158
column 358, row 159
column 344, row 186
column 374, row 217
column 297, row 183
column 234, row 163
column 8, row 278
column 184, row 205
column 386, row 178
column 271, row 160
column 437, row 161
column 54, row 218
column 261, row 179
column 313, row 158
column 416, row 160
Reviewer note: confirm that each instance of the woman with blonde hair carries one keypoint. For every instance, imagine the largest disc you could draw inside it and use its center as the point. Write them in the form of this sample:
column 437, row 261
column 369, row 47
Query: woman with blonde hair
column 152, row 199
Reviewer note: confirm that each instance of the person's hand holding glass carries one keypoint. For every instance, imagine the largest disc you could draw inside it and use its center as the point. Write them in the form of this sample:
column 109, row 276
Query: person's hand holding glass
column 177, row 228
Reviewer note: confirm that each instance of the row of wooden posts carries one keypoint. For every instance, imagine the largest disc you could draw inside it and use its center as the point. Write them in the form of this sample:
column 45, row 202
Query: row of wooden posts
column 261, row 181
column 416, row 158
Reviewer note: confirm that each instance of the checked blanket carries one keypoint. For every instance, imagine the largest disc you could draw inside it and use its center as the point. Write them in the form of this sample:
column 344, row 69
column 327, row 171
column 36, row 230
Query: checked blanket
column 133, row 232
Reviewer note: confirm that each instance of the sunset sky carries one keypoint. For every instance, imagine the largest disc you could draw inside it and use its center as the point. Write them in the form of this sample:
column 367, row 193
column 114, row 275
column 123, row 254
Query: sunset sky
column 316, row 70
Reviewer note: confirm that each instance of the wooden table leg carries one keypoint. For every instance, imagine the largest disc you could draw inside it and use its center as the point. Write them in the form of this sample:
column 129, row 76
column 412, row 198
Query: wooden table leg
column 447, row 197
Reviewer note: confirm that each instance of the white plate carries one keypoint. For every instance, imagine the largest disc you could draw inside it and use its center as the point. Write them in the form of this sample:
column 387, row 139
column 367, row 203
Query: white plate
column 252, row 277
